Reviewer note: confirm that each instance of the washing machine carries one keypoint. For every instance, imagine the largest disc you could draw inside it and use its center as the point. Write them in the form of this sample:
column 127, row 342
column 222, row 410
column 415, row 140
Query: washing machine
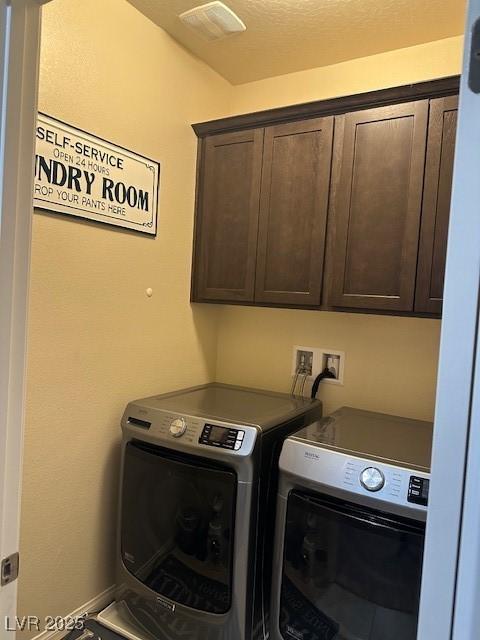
column 352, row 506
column 197, row 506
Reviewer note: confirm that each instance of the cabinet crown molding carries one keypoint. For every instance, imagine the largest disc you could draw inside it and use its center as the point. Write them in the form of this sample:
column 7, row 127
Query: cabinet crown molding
column 440, row 87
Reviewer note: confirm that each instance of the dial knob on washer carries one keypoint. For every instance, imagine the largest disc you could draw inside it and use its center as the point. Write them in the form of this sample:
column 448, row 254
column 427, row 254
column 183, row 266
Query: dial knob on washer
column 178, row 427
column 372, row 479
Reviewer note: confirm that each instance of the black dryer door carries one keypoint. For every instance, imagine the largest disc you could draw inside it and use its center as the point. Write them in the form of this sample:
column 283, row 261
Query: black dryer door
column 349, row 573
column 177, row 526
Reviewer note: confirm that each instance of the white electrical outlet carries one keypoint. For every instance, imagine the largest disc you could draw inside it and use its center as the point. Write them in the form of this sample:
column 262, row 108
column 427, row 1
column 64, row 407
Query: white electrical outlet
column 316, row 359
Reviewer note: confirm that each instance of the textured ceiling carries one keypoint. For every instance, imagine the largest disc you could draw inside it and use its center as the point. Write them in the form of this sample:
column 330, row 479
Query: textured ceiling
column 291, row 35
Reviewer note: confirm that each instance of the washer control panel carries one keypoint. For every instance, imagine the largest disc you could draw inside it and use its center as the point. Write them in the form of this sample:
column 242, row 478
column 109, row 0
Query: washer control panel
column 372, row 479
column 382, row 481
column 223, row 437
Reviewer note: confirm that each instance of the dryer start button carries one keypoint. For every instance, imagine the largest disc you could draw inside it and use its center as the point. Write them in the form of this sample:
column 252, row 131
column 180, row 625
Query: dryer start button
column 178, row 427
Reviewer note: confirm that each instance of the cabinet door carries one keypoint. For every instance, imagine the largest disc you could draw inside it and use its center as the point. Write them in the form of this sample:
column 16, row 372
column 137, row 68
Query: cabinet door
column 436, row 204
column 376, row 207
column 293, row 212
column 227, row 217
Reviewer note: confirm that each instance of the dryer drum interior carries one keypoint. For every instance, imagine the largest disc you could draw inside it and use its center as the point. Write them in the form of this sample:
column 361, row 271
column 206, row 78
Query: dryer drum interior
column 349, row 572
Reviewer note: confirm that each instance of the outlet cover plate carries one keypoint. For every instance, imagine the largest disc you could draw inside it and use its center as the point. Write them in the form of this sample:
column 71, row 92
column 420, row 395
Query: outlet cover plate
column 319, row 360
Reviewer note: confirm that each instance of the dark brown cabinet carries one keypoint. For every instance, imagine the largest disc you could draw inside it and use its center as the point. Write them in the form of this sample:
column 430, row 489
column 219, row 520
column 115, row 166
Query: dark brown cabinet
column 293, row 212
column 436, row 204
column 227, row 221
column 263, row 213
column 377, row 207
column 357, row 188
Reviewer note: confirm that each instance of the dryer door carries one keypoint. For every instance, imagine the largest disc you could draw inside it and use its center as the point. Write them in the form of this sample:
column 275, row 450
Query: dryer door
column 349, row 572
column 177, row 526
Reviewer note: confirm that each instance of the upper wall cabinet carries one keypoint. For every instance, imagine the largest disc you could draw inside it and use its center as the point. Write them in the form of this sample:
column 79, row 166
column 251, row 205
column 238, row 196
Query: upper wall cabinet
column 358, row 187
column 293, row 212
column 227, row 221
column 436, row 204
column 263, row 213
column 377, row 206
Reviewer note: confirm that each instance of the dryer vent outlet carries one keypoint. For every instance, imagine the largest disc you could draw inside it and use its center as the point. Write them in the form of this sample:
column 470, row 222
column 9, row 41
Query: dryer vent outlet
column 213, row 21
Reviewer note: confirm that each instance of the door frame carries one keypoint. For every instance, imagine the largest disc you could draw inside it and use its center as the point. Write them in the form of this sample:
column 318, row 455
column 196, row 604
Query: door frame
column 450, row 585
column 19, row 65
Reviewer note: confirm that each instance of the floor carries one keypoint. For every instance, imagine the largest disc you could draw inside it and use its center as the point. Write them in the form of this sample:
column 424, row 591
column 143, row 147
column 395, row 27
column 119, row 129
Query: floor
column 99, row 633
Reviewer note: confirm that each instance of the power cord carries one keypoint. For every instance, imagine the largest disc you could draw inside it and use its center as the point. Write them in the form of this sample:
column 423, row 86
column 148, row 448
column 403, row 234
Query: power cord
column 326, row 373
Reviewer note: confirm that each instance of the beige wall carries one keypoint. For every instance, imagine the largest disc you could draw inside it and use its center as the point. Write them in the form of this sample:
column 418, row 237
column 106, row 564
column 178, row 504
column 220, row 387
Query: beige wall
column 255, row 345
column 391, row 69
column 255, row 348
column 95, row 339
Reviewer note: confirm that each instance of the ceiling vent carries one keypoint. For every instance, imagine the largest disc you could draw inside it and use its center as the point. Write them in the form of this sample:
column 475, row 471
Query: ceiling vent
column 213, row 21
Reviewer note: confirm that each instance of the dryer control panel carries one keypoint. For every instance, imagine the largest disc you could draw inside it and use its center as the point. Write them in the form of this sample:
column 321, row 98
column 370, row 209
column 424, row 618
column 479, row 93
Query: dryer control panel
column 223, row 437
column 367, row 481
column 418, row 490
column 191, row 433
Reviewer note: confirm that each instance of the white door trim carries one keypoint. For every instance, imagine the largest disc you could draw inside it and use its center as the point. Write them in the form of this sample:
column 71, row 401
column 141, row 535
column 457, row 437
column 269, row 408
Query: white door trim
column 20, row 39
column 466, row 612
column 457, row 385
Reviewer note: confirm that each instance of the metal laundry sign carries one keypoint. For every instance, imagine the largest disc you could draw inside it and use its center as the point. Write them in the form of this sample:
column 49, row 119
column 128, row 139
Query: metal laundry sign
column 82, row 175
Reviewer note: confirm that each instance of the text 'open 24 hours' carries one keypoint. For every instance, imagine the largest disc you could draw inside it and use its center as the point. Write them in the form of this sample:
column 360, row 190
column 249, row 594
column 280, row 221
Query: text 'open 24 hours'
column 81, row 175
